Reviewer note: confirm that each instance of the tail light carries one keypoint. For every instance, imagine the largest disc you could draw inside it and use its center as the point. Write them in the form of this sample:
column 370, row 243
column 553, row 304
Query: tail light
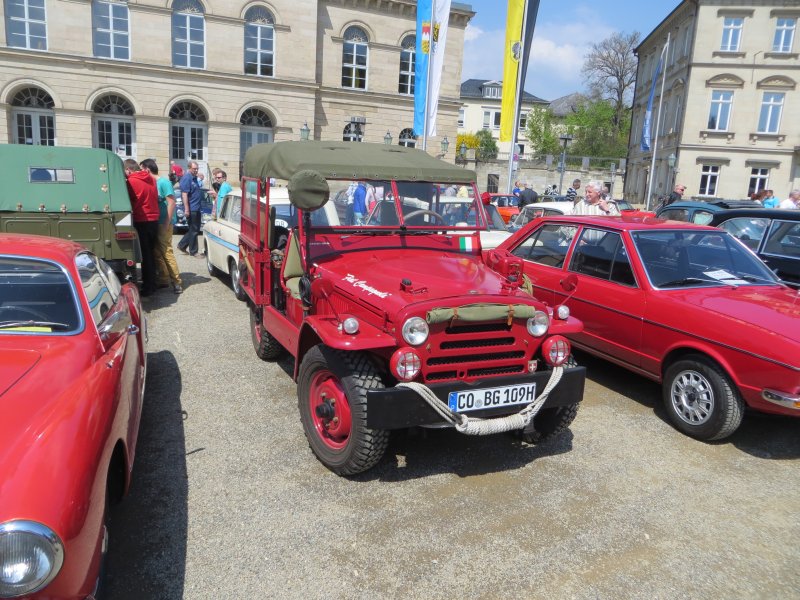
column 556, row 350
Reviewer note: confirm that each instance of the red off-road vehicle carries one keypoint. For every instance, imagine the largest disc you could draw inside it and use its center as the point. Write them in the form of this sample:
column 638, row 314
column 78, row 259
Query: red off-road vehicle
column 394, row 317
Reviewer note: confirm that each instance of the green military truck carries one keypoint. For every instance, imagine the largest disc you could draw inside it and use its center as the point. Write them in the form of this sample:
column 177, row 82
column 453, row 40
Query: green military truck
column 79, row 194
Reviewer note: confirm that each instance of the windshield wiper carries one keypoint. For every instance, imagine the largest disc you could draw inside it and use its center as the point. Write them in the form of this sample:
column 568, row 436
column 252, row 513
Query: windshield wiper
column 687, row 281
column 756, row 279
column 50, row 324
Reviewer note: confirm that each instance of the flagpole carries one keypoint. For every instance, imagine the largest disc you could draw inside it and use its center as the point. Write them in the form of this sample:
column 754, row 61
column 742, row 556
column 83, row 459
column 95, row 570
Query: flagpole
column 664, row 53
column 517, row 98
column 428, row 80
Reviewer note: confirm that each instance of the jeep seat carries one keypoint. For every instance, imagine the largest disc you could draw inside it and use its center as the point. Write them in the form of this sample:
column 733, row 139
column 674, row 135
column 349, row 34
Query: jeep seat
column 293, row 266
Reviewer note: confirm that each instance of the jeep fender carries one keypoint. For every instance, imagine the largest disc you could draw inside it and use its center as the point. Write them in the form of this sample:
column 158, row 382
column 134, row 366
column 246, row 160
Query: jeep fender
column 318, row 329
column 559, row 327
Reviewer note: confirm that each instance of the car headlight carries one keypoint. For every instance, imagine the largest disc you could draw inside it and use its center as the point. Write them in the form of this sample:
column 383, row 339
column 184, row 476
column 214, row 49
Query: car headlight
column 405, row 364
column 350, row 325
column 538, row 324
column 563, row 312
column 31, row 555
column 415, row 331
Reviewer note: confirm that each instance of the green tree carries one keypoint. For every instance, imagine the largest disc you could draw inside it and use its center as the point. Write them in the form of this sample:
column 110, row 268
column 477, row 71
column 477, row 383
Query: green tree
column 540, row 131
column 487, row 146
column 594, row 131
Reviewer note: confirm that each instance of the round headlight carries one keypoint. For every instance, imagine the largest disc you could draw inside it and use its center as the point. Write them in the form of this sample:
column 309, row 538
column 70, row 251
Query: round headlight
column 405, row 364
column 556, row 350
column 31, row 555
column 350, row 325
column 563, row 312
column 415, row 331
column 538, row 324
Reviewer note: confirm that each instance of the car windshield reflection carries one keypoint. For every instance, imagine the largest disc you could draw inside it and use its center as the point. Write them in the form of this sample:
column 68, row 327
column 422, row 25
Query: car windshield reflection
column 678, row 259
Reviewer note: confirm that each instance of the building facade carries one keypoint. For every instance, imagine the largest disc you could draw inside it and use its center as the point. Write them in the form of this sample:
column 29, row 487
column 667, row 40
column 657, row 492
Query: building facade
column 206, row 79
column 726, row 126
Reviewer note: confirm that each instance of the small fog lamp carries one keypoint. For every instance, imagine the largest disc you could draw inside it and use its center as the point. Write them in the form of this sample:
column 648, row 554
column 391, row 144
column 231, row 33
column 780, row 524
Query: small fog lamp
column 350, row 325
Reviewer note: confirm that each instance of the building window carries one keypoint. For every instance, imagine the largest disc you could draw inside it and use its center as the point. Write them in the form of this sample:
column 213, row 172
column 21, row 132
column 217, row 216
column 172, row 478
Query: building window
column 719, row 116
column 354, row 59
column 26, row 24
column 407, row 138
column 492, row 91
column 771, row 107
column 407, row 64
column 34, row 121
column 709, row 177
column 491, row 119
column 188, row 34
column 492, row 183
column 256, row 128
column 113, row 125
column 759, row 180
column 460, row 117
column 523, row 120
column 111, row 29
column 353, row 132
column 187, row 132
column 731, row 34
column 676, row 125
column 784, row 35
column 259, row 42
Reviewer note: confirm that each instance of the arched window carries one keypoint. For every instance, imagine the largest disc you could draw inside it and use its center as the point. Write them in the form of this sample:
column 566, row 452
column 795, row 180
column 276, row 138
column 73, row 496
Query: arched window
column 187, row 132
column 113, row 125
column 354, row 58
column 259, row 42
column 111, row 29
column 33, row 117
column 407, row 61
column 26, row 24
column 256, row 129
column 407, row 138
column 188, row 34
column 353, row 132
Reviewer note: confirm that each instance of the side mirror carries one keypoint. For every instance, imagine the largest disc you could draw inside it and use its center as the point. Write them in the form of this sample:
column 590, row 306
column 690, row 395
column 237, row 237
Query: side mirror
column 321, row 288
column 570, row 283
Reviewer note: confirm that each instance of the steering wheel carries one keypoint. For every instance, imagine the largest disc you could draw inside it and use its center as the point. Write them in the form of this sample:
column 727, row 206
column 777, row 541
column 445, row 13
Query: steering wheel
column 25, row 311
column 423, row 211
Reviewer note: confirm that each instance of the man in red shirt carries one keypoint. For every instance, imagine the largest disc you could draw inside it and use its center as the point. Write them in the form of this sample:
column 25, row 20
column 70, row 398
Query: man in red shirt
column 144, row 202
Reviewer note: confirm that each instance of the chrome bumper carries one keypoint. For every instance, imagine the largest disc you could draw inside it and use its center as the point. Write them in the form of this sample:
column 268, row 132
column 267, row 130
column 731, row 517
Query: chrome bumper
column 782, row 399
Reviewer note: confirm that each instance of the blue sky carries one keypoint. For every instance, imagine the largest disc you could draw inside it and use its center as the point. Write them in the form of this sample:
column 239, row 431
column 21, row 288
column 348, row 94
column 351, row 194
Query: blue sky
column 565, row 30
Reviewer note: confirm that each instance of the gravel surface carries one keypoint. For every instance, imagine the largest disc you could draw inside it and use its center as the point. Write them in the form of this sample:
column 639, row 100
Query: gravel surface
column 228, row 502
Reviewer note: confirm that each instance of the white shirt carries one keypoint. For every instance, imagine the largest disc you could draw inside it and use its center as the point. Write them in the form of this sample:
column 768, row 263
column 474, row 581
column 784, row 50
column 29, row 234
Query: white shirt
column 582, row 207
column 788, row 203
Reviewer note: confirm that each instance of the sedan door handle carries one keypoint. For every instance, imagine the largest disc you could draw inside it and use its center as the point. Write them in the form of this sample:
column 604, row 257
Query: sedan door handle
column 133, row 329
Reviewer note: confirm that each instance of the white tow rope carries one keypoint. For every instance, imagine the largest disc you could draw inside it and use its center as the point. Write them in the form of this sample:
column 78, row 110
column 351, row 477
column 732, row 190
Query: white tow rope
column 476, row 426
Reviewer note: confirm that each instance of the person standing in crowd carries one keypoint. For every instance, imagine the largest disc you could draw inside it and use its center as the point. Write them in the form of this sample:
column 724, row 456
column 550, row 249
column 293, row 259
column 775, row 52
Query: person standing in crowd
column 792, row 202
column 517, row 189
column 594, row 204
column 221, row 189
column 359, row 204
column 144, row 202
column 527, row 196
column 167, row 267
column 676, row 195
column 770, row 201
column 191, row 196
column 572, row 192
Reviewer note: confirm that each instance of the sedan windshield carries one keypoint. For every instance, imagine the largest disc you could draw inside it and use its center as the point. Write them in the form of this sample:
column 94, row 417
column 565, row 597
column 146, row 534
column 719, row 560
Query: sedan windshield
column 35, row 297
column 685, row 258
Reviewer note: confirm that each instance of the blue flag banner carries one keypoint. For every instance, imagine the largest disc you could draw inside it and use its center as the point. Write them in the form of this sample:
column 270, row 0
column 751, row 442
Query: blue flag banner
column 648, row 114
column 424, row 38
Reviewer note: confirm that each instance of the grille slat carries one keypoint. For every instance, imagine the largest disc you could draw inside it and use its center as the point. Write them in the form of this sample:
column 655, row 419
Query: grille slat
column 484, row 358
column 480, row 343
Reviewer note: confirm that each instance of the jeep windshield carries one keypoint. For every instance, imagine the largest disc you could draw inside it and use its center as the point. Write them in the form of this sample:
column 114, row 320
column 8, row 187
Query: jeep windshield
column 372, row 205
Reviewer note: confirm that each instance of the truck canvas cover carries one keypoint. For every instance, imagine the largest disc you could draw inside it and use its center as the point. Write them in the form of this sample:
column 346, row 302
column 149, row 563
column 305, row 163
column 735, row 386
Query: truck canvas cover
column 350, row 160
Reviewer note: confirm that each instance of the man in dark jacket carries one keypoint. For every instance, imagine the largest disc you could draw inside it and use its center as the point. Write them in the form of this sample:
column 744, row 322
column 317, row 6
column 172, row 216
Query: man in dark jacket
column 144, row 202
column 192, row 198
column 527, row 196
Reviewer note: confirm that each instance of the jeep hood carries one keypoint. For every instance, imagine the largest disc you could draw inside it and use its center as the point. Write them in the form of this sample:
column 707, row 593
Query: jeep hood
column 377, row 278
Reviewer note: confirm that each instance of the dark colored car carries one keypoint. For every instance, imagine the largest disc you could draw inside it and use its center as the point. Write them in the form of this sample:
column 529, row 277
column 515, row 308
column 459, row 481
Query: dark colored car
column 206, row 208
column 773, row 234
column 694, row 211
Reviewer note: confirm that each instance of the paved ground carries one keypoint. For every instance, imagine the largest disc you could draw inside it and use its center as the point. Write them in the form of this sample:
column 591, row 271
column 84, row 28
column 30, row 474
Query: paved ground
column 228, row 501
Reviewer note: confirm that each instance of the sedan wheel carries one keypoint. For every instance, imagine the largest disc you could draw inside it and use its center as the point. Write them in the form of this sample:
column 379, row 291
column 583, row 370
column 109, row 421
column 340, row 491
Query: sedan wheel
column 236, row 280
column 701, row 400
column 212, row 270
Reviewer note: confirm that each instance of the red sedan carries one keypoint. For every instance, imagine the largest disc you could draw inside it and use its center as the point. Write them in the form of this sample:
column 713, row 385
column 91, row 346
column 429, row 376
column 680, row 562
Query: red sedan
column 685, row 305
column 72, row 372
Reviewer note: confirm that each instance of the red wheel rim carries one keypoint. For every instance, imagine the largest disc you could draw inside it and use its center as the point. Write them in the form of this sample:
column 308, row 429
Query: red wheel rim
column 257, row 329
column 327, row 392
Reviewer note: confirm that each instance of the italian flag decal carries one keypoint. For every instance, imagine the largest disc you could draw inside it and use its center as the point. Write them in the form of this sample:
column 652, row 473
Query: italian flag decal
column 465, row 244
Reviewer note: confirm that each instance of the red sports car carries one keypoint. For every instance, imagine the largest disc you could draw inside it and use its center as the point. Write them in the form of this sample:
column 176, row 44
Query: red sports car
column 686, row 305
column 72, row 372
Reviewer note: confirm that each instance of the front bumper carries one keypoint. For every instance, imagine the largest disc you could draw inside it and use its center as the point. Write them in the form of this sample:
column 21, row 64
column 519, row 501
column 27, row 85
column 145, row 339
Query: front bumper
column 399, row 408
column 782, row 399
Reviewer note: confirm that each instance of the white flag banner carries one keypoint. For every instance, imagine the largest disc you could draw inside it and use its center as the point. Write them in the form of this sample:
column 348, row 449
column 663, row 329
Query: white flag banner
column 441, row 17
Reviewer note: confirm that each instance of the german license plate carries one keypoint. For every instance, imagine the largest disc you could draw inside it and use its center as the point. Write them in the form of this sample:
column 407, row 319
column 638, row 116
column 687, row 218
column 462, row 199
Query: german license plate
column 509, row 395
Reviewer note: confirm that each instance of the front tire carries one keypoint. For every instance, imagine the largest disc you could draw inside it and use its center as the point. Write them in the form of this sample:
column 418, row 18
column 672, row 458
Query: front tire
column 701, row 400
column 212, row 270
column 236, row 282
column 332, row 397
column 551, row 422
column 265, row 345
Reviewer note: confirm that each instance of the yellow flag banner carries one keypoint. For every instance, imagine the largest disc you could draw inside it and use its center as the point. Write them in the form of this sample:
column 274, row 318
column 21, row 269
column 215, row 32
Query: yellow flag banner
column 511, row 60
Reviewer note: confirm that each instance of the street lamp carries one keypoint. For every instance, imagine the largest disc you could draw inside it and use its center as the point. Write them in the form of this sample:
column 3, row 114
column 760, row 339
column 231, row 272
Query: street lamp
column 387, row 139
column 304, row 131
column 445, row 145
column 462, row 150
column 671, row 159
column 566, row 138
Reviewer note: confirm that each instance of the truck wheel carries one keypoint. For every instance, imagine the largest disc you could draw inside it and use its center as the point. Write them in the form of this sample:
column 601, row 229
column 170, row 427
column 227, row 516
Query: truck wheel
column 236, row 282
column 551, row 422
column 700, row 399
column 332, row 397
column 266, row 346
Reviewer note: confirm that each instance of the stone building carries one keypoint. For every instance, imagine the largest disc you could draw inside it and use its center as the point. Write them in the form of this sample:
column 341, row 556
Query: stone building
column 206, row 79
column 726, row 127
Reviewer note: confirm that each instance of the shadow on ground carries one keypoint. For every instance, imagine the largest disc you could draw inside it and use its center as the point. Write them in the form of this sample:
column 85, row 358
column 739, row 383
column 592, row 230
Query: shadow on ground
column 148, row 534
